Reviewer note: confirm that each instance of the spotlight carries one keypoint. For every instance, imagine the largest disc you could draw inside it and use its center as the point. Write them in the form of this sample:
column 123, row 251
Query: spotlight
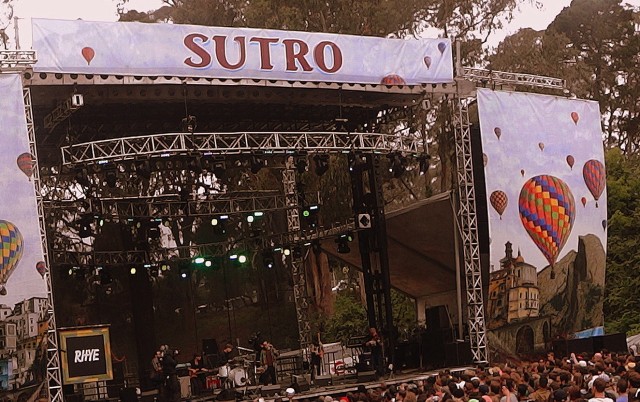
column 310, row 215
column 398, row 164
column 242, row 258
column 322, row 164
column 133, row 270
column 257, row 163
column 189, row 124
column 357, row 162
column 301, row 164
column 267, row 259
column 343, row 243
column 286, row 251
column 424, row 164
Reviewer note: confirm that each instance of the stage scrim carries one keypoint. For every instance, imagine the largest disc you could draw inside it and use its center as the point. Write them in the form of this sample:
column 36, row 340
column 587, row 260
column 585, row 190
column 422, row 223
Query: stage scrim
column 23, row 293
column 131, row 48
column 545, row 176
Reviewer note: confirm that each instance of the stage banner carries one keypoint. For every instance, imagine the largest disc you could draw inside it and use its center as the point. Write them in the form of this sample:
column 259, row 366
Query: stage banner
column 23, row 292
column 86, row 354
column 132, row 48
column 546, row 188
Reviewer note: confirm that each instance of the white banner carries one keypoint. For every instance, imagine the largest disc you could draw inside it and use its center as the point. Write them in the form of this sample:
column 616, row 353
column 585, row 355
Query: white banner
column 130, row 48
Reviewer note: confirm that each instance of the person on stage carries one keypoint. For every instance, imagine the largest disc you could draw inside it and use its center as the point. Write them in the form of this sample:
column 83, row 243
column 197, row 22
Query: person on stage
column 171, row 388
column 268, row 356
column 317, row 352
column 374, row 345
column 230, row 352
column 197, row 373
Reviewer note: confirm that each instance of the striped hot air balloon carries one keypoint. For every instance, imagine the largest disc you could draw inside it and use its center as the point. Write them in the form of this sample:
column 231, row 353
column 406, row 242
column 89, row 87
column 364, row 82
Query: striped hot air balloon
column 547, row 212
column 595, row 178
column 11, row 248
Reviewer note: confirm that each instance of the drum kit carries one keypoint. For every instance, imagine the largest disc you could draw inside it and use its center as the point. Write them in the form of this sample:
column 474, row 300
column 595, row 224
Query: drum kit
column 238, row 372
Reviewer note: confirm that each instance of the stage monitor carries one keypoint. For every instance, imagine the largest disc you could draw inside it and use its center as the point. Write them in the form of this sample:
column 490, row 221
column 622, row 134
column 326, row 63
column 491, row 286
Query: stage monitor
column 86, row 354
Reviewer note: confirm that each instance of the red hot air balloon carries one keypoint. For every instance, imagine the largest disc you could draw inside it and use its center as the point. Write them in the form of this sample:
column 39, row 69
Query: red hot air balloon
column 584, row 201
column 393, row 79
column 547, row 211
column 41, row 267
column 575, row 117
column 427, row 61
column 594, row 176
column 88, row 54
column 499, row 201
column 498, row 132
column 26, row 164
column 570, row 161
column 11, row 249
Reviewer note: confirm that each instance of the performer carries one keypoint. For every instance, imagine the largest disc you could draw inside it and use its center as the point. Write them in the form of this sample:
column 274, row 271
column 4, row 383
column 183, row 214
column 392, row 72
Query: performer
column 374, row 344
column 268, row 356
column 197, row 373
column 317, row 353
column 230, row 351
column 157, row 379
column 171, row 389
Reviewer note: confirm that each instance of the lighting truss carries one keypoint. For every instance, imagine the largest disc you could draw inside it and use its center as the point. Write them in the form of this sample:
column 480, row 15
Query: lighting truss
column 483, row 76
column 106, row 258
column 16, row 60
column 236, row 143
column 60, row 114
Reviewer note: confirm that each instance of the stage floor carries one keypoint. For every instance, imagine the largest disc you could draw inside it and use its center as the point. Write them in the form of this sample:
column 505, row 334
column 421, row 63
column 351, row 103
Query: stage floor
column 342, row 385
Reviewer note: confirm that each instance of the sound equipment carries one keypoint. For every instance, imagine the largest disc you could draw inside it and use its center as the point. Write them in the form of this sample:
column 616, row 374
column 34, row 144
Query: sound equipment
column 367, row 376
column 323, row 380
column 128, row 395
column 300, row 383
column 614, row 343
column 74, row 397
column 437, row 317
column 210, row 346
column 458, row 354
column 226, row 395
column 270, row 390
column 149, row 396
column 185, row 386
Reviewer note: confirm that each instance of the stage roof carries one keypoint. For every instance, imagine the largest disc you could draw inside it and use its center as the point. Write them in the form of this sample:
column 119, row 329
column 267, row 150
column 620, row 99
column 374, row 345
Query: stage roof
column 421, row 247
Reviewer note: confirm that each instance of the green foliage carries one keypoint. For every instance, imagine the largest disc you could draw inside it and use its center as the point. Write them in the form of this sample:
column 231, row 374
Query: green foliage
column 622, row 305
column 349, row 319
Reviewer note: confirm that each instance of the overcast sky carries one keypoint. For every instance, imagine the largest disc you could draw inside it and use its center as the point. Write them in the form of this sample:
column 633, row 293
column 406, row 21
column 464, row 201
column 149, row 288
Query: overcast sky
column 105, row 10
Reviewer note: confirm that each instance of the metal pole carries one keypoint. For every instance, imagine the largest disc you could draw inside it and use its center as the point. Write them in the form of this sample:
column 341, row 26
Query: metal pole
column 17, row 32
column 456, row 245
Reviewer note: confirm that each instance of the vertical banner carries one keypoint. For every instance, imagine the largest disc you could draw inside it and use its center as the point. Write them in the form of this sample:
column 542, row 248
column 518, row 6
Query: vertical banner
column 546, row 187
column 23, row 294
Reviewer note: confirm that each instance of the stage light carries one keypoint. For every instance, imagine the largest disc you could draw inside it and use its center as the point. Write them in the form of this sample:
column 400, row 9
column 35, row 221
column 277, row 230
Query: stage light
column 357, row 162
column 398, row 164
column 189, row 124
column 301, row 164
column 257, row 163
column 267, row 259
column 250, row 218
column 84, row 226
column 184, row 273
column 297, row 252
column 310, row 215
column 286, row 251
column 343, row 243
column 133, row 270
column 153, row 269
column 199, row 260
column 322, row 164
column 214, row 221
column 242, row 258
column 258, row 214
column 424, row 164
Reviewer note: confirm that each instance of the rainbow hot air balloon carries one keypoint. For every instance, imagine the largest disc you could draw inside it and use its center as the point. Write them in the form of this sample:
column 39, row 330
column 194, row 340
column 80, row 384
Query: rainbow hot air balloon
column 41, row 267
column 547, row 211
column 595, row 178
column 499, row 201
column 26, row 164
column 11, row 248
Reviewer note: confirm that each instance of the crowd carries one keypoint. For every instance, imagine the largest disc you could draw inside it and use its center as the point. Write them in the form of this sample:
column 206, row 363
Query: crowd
column 600, row 377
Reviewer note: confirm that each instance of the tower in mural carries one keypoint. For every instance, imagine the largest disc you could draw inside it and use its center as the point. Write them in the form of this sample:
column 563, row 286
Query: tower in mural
column 513, row 291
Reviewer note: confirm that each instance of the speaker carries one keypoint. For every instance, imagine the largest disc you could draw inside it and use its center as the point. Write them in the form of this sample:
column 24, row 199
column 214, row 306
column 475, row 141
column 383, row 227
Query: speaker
column 367, row 376
column 128, row 395
column 149, row 396
column 270, row 390
column 437, row 317
column 323, row 380
column 210, row 346
column 300, row 383
column 226, row 395
column 616, row 343
column 458, row 354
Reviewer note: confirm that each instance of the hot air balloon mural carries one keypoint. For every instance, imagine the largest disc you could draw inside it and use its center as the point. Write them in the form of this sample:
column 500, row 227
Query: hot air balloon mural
column 498, row 132
column 594, row 176
column 575, row 117
column 41, row 267
column 583, row 200
column 541, row 146
column 11, row 249
column 485, row 159
column 547, row 212
column 570, row 161
column 26, row 164
column 427, row 61
column 441, row 47
column 88, row 53
column 499, row 201
column 522, row 172
column 604, row 224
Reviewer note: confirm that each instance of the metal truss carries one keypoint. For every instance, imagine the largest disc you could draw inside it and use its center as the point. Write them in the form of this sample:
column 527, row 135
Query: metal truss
column 468, row 229
column 157, row 207
column 16, row 60
column 60, row 114
column 123, row 257
column 298, row 270
column 483, row 76
column 54, row 379
column 236, row 143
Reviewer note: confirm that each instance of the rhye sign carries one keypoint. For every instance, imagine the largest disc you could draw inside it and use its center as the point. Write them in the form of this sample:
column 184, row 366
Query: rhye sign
column 86, row 354
column 139, row 49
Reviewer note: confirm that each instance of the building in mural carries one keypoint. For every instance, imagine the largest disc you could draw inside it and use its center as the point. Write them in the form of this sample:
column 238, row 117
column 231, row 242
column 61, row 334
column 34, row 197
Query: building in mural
column 23, row 329
column 513, row 291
